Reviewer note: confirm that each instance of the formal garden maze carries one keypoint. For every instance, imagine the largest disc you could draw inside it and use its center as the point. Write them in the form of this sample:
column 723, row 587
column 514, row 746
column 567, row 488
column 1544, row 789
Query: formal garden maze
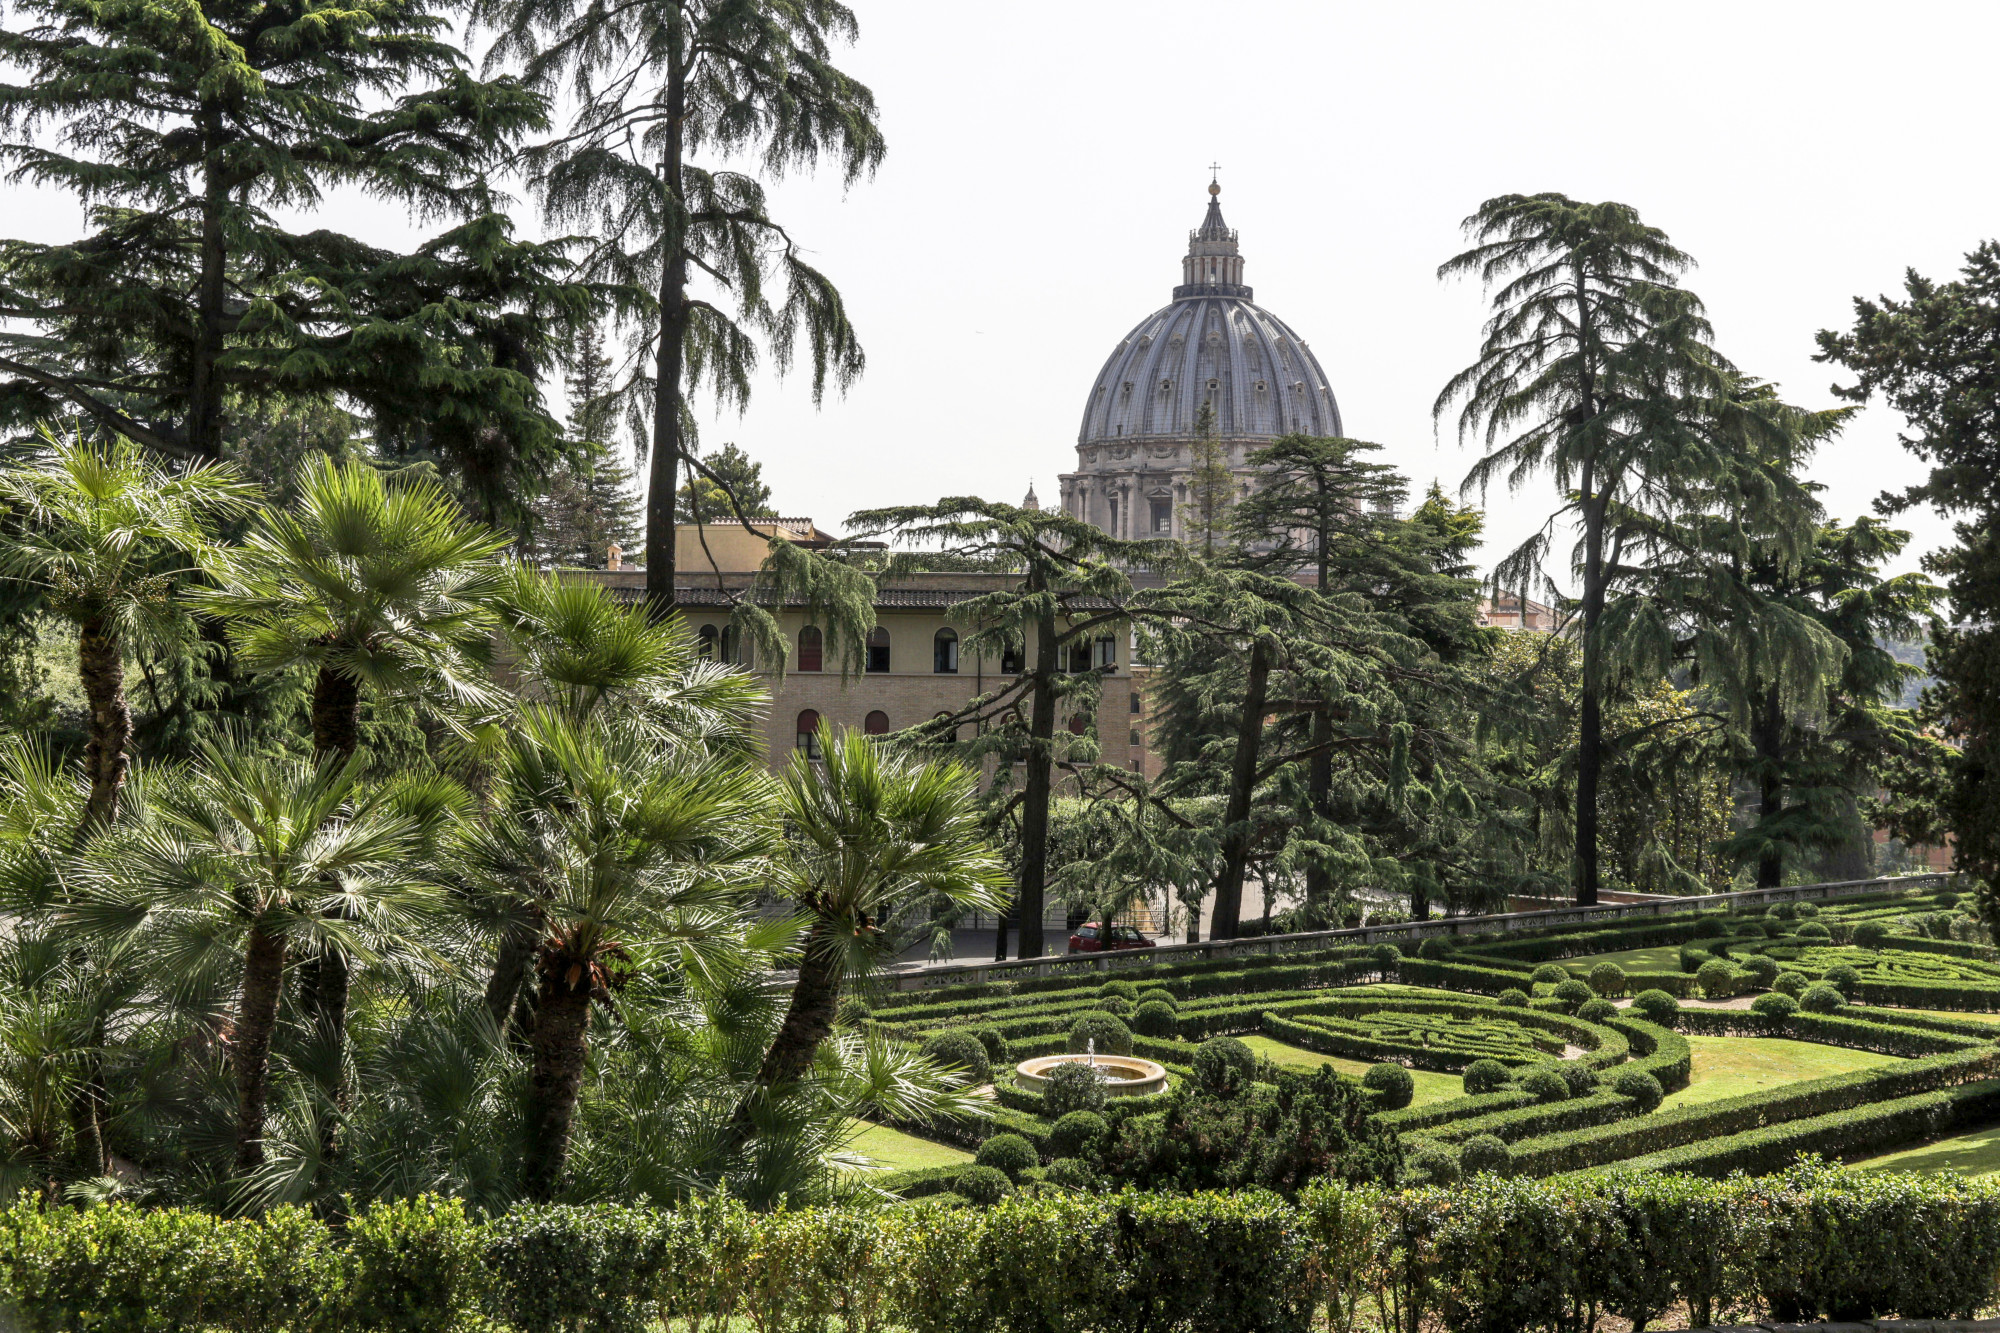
column 1706, row 1043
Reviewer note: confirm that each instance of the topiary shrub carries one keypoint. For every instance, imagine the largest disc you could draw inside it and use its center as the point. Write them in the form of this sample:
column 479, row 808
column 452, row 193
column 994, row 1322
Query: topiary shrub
column 1078, row 1134
column 1821, row 998
column 1710, row 928
column 1072, row 1088
column 1009, row 1153
column 1386, row 957
column 1814, row 930
column 1485, row 1152
column 1545, row 1084
column 1656, row 1006
column 1550, row 974
column 1437, row 946
column 1514, row 998
column 1482, row 1076
column 1807, row 910
column 1156, row 1020
column 1123, row 990
column 1692, row 958
column 1392, row 1085
column 1774, row 1004
column 1762, row 968
column 984, row 1185
column 1115, row 1005
column 1870, row 934
column 1791, row 983
column 1427, row 1163
column 1717, row 979
column 1641, row 1087
column 1767, row 929
column 1843, row 979
column 1947, row 900
column 1109, row 1033
column 960, row 1048
column 1067, row 1173
column 1573, row 993
column 1580, row 1077
column 995, row 1044
column 1596, row 1011
column 1224, row 1066
column 1608, row 979
column 1785, row 911
column 1159, row 995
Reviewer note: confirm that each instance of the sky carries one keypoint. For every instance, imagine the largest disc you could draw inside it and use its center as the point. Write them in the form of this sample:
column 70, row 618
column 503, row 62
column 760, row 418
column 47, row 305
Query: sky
column 1046, row 160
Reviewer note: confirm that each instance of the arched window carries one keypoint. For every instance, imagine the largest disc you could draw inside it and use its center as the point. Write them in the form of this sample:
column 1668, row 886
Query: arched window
column 809, row 649
column 705, row 641
column 876, row 723
column 878, row 649
column 944, row 652
column 1010, row 661
column 807, row 738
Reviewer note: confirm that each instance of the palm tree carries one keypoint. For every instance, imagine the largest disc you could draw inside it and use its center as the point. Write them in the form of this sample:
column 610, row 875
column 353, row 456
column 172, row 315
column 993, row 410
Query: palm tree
column 247, row 865
column 871, row 833
column 627, row 865
column 104, row 531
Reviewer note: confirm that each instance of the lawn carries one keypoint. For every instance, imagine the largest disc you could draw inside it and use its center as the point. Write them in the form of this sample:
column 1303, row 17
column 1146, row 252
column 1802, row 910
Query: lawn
column 1972, row 1015
column 1976, row 1154
column 897, row 1151
column 1732, row 1066
column 1659, row 958
column 1431, row 1087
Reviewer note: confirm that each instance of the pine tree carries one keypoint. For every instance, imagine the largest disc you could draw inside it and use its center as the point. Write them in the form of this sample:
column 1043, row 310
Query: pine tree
column 1211, row 485
column 652, row 85
column 181, row 129
column 588, row 501
column 733, row 483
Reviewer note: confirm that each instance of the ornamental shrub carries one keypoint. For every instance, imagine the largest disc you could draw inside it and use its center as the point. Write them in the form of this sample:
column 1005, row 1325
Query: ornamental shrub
column 1641, row 1087
column 1068, row 1173
column 1656, row 1006
column 1761, row 968
column 1545, row 1084
column 1124, row 990
column 1710, row 928
column 1079, row 1134
column 1482, row 1076
column 1821, row 998
column 1608, row 979
column 1596, row 1010
column 1155, row 1019
column 1785, row 911
column 1159, row 995
column 1115, row 1005
column 1514, row 998
column 1485, row 1152
column 1580, row 1077
column 1107, row 1030
column 1428, row 1163
column 1791, row 982
column 414, row 1265
column 995, row 1044
column 1550, row 974
column 1753, row 926
column 984, row 1185
column 1692, row 958
column 1807, row 910
column 1814, row 930
column 1392, row 1085
column 1224, row 1066
column 1386, row 957
column 1009, row 1153
column 960, row 1048
column 1437, row 947
column 1774, row 1004
column 1947, row 900
column 1870, row 934
column 1716, row 978
column 1843, row 979
column 1573, row 993
column 1072, row 1087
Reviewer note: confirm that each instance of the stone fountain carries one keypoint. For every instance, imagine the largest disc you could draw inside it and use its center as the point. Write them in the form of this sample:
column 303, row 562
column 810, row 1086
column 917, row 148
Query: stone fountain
column 1123, row 1075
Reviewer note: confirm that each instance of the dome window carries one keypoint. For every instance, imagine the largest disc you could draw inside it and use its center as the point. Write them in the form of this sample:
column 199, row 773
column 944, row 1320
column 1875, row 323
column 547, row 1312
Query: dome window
column 1166, row 386
column 1213, row 385
column 1261, row 386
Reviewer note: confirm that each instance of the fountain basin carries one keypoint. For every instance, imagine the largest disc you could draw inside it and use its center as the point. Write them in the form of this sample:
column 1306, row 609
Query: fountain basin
column 1123, row 1075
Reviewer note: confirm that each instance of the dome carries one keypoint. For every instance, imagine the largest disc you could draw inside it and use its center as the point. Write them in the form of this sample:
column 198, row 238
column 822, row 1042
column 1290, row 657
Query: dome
column 1212, row 345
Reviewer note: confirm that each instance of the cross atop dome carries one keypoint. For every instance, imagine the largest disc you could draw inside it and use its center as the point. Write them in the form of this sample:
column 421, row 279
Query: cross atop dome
column 1212, row 266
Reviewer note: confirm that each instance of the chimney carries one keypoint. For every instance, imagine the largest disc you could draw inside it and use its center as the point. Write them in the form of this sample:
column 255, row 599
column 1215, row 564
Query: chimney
column 615, row 557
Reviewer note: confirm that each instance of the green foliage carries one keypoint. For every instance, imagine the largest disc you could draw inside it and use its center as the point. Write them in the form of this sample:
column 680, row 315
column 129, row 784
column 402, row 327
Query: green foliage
column 1157, row 995
column 1437, row 947
column 1070, row 1088
column 1572, row 993
column 415, row 1265
column 1870, row 935
column 1814, row 930
column 1120, row 989
column 1710, row 928
column 1642, row 1088
column 1079, row 1134
column 1717, row 979
column 1224, row 1066
column 1115, row 1005
column 1597, row 1011
column 984, row 1185
column 1760, row 968
column 1155, row 1019
column 1608, row 979
column 1484, row 1076
column 1010, row 1153
column 995, row 1044
column 1550, row 974
column 1514, row 998
column 1657, row 1006
column 1111, row 1036
column 1485, row 1154
column 1392, row 1085
column 1843, row 979
column 962, row 1050
column 1427, row 1163
column 1821, row 998
column 1774, row 1004
column 1545, row 1084
column 1792, row 983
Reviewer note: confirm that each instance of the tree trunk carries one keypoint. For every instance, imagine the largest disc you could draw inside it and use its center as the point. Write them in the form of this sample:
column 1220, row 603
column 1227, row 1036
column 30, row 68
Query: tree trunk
column 204, row 419
column 510, row 965
column 560, row 1046
column 1767, row 736
column 1000, row 937
column 1590, row 712
column 101, row 664
column 250, row 1050
column 1319, row 795
column 1222, row 920
column 326, row 980
column 336, row 715
column 1028, row 904
column 86, row 1109
column 808, row 1022
column 664, row 467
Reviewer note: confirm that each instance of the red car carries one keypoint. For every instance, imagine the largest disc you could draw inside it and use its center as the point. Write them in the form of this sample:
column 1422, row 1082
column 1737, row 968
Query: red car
column 1089, row 938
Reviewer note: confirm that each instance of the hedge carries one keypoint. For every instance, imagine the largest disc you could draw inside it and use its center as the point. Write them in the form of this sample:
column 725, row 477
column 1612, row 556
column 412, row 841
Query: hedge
column 1605, row 1045
column 1492, row 1254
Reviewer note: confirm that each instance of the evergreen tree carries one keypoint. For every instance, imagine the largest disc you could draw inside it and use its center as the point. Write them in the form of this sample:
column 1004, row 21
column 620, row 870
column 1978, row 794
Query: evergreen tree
column 588, row 501
column 732, row 482
column 1934, row 355
column 181, row 129
column 1211, row 486
column 652, row 85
